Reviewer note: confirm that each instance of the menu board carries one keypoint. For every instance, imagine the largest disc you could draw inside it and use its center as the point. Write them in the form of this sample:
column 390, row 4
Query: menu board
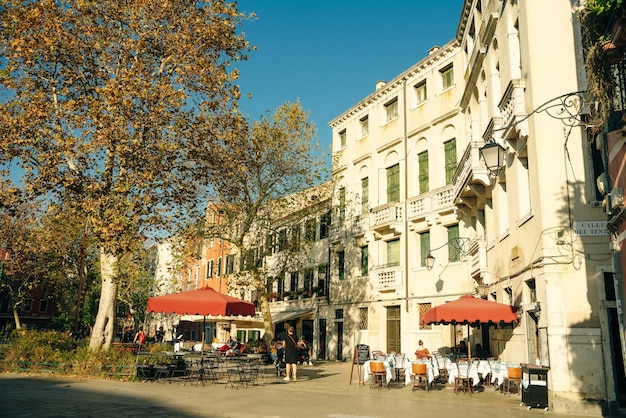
column 362, row 353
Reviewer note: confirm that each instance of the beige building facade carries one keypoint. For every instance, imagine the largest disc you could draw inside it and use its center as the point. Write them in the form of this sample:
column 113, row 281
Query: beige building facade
column 409, row 181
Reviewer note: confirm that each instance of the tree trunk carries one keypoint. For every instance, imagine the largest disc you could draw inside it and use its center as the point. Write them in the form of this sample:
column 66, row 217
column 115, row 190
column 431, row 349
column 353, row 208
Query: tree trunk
column 16, row 317
column 104, row 327
column 267, row 318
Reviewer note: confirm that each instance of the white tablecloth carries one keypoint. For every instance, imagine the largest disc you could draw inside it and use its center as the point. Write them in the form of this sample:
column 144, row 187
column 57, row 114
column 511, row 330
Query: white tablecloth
column 456, row 369
column 389, row 369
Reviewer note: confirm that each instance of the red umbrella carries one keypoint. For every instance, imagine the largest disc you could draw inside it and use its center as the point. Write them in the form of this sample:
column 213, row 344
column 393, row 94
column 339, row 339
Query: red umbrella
column 471, row 311
column 205, row 301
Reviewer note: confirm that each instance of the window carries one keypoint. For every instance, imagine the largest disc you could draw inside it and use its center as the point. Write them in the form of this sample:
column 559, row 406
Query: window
column 509, row 295
column 449, row 148
column 338, row 313
column 363, row 319
column 294, row 241
column 219, row 266
column 365, row 194
column 423, row 308
column 282, row 239
column 420, row 92
column 341, row 268
column 322, row 273
column 325, row 225
column 422, row 162
column 280, row 284
column 454, row 253
column 424, row 247
column 310, row 226
column 43, row 305
column 364, row 261
column 308, row 279
column 391, row 110
column 293, row 281
column 447, row 77
column 393, row 252
column 209, row 269
column 342, row 203
column 27, row 305
column 365, row 125
column 230, row 264
column 342, row 138
column 393, row 183
column 532, row 290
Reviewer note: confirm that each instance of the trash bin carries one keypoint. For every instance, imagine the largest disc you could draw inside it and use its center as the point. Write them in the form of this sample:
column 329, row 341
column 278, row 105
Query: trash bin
column 535, row 386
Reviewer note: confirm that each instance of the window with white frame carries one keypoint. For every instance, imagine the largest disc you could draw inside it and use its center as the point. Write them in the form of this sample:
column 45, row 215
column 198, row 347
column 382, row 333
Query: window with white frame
column 420, row 92
column 447, row 77
column 365, row 125
column 391, row 110
column 209, row 269
column 342, row 138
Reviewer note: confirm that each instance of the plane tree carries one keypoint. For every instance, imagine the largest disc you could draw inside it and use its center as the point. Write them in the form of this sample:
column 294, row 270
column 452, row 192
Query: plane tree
column 109, row 105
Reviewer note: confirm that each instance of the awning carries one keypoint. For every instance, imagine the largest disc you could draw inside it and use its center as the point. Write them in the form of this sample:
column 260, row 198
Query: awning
column 241, row 321
column 287, row 315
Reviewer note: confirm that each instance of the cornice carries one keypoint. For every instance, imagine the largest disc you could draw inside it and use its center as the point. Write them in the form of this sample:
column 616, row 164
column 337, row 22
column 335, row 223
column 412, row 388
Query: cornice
column 424, row 65
column 388, row 145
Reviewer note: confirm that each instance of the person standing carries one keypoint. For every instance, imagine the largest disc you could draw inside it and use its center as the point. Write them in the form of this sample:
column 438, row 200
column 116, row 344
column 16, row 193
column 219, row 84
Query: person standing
column 140, row 338
column 290, row 344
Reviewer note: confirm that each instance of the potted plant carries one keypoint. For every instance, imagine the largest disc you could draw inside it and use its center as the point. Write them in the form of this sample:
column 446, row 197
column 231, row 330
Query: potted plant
column 272, row 296
column 287, row 294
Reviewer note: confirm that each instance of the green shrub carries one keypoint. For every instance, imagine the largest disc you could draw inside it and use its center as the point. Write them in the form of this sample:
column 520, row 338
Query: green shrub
column 31, row 350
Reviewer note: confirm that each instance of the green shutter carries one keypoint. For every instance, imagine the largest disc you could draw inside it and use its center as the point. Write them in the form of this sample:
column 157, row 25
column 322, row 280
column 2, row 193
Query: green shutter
column 393, row 183
column 422, row 160
column 450, row 156
column 453, row 252
column 424, row 247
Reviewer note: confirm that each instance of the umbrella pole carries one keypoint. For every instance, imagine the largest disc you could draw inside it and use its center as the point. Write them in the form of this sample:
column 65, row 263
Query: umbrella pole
column 202, row 347
column 469, row 344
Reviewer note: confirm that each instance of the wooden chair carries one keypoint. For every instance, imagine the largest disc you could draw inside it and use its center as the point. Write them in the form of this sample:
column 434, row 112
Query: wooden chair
column 514, row 380
column 399, row 360
column 378, row 375
column 420, row 376
column 378, row 355
column 462, row 380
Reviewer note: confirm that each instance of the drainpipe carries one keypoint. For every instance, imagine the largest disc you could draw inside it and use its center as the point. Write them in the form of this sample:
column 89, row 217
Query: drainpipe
column 406, row 195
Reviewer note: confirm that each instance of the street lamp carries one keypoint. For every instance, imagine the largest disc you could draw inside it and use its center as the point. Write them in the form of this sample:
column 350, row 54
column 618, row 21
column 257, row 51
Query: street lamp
column 493, row 155
column 459, row 244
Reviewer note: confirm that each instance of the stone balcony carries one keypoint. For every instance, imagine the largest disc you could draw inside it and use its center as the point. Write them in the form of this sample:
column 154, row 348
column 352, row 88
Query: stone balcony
column 387, row 218
column 388, row 277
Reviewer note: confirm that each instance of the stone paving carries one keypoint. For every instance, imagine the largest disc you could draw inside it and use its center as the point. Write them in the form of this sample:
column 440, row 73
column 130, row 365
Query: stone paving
column 322, row 390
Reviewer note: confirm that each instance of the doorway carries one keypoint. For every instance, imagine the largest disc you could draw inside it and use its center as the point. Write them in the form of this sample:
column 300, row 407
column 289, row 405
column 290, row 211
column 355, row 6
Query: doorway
column 321, row 347
column 394, row 343
column 339, row 333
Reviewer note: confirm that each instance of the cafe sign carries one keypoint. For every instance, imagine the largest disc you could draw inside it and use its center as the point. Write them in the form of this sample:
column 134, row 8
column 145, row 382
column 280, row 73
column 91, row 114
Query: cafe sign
column 590, row 228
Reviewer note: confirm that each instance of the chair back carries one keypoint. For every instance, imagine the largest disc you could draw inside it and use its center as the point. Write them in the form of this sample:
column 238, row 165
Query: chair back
column 515, row 372
column 418, row 368
column 378, row 355
column 399, row 360
column 377, row 367
column 463, row 368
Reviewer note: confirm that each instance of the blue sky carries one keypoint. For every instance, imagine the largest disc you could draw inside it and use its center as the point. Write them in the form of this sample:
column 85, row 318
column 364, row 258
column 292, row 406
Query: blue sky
column 330, row 54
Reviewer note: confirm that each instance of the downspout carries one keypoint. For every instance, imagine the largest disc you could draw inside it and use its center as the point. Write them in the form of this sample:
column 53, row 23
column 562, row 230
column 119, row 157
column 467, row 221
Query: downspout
column 406, row 196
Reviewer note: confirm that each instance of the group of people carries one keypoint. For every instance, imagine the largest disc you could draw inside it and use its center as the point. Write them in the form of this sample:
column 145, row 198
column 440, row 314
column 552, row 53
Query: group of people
column 140, row 338
column 287, row 351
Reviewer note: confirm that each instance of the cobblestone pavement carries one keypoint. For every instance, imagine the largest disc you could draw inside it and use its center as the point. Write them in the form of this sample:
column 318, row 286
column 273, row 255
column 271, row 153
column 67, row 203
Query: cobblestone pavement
column 322, row 390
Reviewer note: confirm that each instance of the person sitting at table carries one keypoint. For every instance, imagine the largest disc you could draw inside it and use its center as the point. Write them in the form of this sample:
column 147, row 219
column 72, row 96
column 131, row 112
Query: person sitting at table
column 461, row 349
column 479, row 352
column 421, row 352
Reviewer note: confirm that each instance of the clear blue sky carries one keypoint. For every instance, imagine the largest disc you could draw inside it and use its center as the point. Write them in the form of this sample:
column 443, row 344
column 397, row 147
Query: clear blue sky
column 330, row 54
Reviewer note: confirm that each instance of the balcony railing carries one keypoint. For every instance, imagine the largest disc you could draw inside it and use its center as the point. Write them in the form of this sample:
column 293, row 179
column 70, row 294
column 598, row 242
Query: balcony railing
column 388, row 277
column 385, row 215
column 431, row 202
